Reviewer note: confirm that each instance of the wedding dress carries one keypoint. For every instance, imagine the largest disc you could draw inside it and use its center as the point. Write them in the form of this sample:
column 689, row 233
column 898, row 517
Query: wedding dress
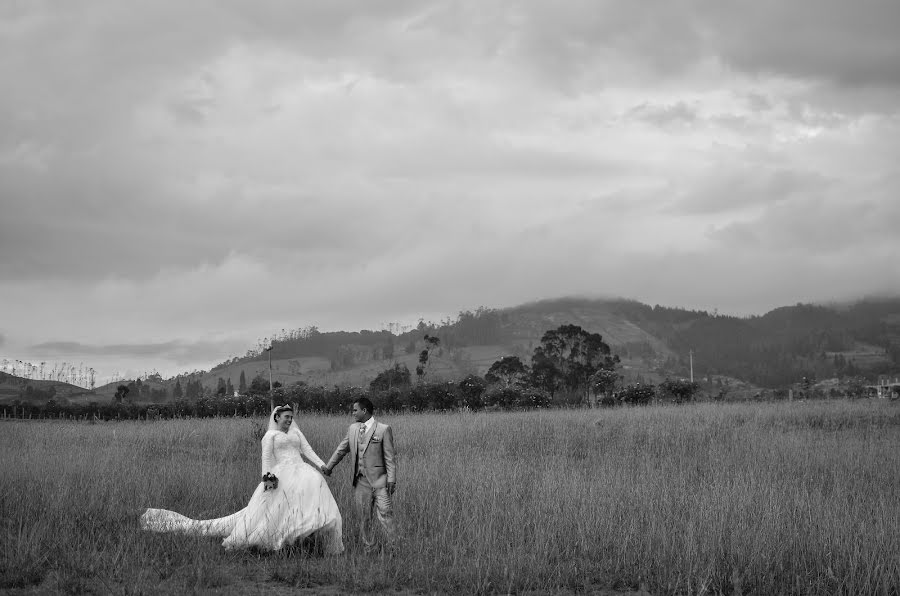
column 301, row 504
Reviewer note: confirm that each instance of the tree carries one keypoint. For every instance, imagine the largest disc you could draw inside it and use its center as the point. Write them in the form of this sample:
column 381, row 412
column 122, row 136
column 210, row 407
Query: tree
column 509, row 370
column 603, row 382
column 178, row 392
column 567, row 358
column 680, row 389
column 121, row 392
column 637, row 394
column 544, row 373
column 194, row 389
column 242, row 384
column 397, row 376
column 260, row 385
column 229, row 388
column 431, row 343
column 471, row 389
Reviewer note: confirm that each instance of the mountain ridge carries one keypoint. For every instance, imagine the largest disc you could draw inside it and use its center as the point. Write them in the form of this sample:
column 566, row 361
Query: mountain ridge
column 775, row 349
column 654, row 342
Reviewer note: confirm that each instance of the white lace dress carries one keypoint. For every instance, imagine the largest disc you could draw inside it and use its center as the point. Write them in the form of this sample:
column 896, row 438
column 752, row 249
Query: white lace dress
column 302, row 504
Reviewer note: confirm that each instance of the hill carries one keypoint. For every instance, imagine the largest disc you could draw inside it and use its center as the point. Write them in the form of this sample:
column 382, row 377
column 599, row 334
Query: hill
column 774, row 350
column 39, row 391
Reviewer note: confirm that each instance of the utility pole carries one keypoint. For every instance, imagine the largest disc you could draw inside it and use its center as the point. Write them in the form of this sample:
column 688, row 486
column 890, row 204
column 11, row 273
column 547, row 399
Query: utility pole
column 271, row 403
column 691, row 354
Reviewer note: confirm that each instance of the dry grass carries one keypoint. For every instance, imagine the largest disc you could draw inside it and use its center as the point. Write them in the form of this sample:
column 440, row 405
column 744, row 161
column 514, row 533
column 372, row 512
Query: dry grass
column 798, row 498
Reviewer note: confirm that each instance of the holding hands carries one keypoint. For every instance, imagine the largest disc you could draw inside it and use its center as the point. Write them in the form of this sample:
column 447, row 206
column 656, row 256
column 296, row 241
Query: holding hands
column 325, row 470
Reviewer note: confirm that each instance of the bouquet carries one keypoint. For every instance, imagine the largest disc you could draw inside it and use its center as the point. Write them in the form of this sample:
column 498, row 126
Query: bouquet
column 270, row 481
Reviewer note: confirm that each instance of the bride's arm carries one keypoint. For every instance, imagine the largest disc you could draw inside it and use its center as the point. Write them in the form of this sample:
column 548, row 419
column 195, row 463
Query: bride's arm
column 307, row 450
column 268, row 452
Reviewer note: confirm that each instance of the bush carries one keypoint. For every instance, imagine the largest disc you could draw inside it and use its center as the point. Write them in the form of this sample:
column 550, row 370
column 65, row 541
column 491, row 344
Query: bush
column 535, row 397
column 440, row 396
column 501, row 397
column 636, row 394
column 608, row 401
column 679, row 390
column 471, row 390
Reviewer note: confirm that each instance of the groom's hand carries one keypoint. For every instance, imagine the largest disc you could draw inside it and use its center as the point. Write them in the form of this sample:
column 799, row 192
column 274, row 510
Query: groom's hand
column 325, row 470
column 391, row 487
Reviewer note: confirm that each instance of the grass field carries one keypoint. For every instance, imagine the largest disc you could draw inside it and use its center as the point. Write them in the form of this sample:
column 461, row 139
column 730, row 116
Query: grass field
column 762, row 498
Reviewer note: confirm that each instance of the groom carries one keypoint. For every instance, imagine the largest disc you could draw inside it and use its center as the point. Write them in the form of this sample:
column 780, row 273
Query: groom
column 374, row 477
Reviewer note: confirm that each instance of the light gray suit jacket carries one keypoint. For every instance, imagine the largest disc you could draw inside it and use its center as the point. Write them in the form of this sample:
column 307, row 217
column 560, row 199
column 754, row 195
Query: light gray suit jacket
column 374, row 454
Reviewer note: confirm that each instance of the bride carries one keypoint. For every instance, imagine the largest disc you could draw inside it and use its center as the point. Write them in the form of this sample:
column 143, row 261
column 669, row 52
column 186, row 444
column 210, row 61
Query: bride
column 281, row 511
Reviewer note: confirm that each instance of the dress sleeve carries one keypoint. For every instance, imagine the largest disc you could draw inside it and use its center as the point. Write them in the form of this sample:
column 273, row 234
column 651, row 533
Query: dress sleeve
column 268, row 452
column 307, row 451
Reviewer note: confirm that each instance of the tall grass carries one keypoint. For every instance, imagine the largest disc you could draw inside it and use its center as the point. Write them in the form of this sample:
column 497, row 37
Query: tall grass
column 798, row 498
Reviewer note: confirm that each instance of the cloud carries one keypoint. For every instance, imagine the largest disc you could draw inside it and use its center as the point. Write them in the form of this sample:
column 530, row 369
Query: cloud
column 176, row 177
column 729, row 188
column 861, row 233
column 846, row 55
column 847, row 45
column 678, row 113
column 178, row 352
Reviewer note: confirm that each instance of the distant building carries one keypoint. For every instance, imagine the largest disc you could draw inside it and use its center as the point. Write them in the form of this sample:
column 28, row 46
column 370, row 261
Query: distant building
column 888, row 387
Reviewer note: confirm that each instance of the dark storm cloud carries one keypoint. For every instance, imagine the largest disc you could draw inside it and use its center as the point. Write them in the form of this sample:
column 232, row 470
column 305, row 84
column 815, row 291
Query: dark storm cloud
column 77, row 226
column 847, row 43
column 122, row 53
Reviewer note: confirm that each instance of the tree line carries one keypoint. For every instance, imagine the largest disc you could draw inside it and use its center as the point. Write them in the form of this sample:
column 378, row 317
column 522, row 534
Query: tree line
column 570, row 367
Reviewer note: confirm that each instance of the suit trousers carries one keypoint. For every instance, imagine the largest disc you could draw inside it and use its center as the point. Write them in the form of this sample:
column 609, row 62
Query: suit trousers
column 375, row 501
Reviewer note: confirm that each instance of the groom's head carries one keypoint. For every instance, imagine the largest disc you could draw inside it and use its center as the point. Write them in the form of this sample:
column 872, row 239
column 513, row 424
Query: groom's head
column 362, row 409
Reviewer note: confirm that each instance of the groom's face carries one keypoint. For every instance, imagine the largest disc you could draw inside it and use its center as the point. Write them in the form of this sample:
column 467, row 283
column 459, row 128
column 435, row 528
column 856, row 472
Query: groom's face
column 359, row 414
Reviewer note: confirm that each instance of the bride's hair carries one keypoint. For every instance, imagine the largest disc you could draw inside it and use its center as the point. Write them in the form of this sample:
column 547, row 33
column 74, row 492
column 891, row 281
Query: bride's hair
column 280, row 409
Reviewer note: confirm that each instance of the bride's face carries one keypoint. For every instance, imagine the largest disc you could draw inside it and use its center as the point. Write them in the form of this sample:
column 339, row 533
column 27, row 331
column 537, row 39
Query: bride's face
column 284, row 421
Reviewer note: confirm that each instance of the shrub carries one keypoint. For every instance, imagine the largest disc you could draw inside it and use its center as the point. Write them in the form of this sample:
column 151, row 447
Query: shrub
column 471, row 390
column 638, row 394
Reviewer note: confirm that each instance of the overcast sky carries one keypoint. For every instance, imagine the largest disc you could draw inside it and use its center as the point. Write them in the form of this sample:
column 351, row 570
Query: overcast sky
column 179, row 179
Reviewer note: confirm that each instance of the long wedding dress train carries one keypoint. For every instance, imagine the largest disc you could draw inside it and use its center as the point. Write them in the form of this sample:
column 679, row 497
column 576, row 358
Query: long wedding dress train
column 300, row 505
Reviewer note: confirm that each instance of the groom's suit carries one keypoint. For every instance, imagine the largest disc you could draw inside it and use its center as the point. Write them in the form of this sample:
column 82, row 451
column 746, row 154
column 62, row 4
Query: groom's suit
column 374, row 468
